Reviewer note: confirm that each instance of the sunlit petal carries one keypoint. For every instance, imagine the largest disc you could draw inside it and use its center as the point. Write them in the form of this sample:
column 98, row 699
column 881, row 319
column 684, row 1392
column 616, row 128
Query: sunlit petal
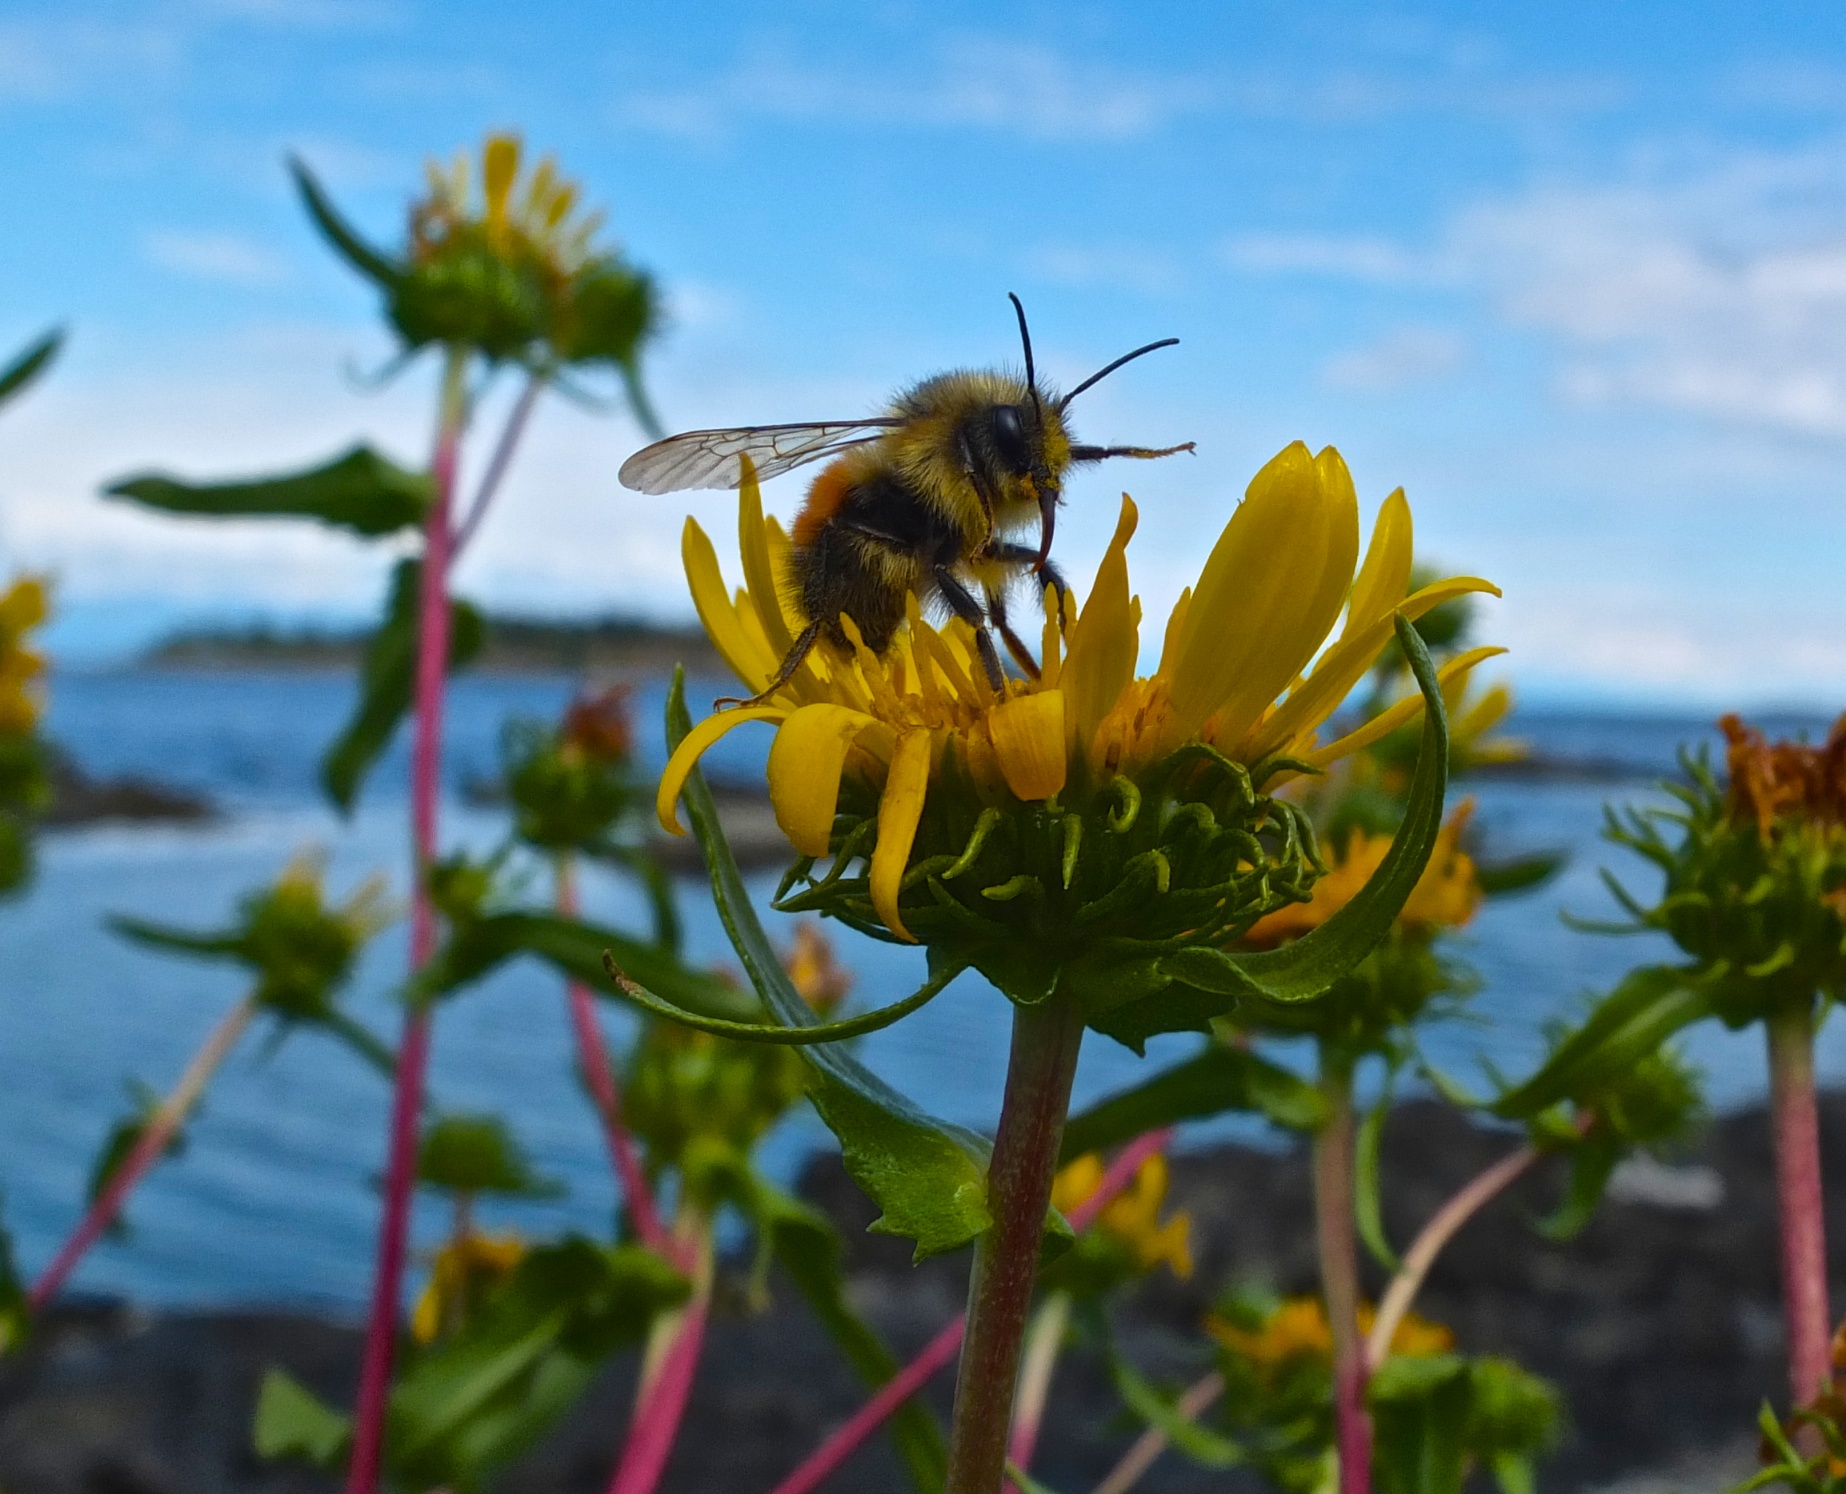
column 717, row 613
column 1028, row 739
column 898, row 813
column 805, row 762
column 1384, row 578
column 1105, row 642
column 1388, row 721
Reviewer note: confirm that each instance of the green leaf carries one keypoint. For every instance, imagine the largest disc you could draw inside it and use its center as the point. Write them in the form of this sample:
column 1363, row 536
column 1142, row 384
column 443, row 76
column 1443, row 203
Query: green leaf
column 1218, row 1079
column 471, row 1405
column 809, row 1249
column 228, row 944
column 478, row 1154
column 386, row 681
column 775, row 1033
column 1024, row 1481
column 359, row 490
column 369, row 262
column 1518, row 873
column 1420, row 1409
column 575, row 949
column 1368, row 1202
column 929, row 1177
column 292, row 1422
column 1205, row 1447
column 1649, row 1006
column 1208, row 983
column 1592, row 1163
column 29, row 365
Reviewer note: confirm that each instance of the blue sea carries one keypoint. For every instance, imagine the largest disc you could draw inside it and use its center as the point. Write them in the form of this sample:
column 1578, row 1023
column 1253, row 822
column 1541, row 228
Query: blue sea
column 275, row 1198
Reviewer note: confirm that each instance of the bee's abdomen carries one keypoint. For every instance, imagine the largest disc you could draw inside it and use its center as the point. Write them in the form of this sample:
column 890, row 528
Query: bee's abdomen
column 863, row 542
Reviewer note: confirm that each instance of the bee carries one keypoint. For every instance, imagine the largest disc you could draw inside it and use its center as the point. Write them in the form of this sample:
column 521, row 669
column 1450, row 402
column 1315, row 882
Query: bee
column 935, row 497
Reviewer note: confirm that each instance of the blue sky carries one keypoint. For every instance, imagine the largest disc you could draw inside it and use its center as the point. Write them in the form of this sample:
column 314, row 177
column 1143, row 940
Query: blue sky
column 1573, row 275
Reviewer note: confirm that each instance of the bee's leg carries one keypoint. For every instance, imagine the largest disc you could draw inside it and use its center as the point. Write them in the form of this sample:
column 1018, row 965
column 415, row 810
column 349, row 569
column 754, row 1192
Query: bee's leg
column 1022, row 656
column 802, row 647
column 962, row 603
column 1048, row 574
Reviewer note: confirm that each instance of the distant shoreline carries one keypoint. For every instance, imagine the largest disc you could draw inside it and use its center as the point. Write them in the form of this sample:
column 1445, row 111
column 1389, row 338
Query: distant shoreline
column 515, row 645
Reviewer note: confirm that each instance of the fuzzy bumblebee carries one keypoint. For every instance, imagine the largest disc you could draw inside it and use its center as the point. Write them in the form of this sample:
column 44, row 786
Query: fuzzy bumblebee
column 934, row 498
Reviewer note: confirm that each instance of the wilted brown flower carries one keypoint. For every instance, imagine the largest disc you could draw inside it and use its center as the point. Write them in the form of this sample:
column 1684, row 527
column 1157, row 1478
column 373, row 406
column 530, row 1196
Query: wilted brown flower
column 597, row 727
column 1773, row 781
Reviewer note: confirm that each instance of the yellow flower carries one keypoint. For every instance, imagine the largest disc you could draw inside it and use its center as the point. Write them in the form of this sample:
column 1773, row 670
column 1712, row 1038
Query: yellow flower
column 23, row 607
column 1246, row 671
column 464, row 1271
column 820, row 978
column 1132, row 1217
column 533, row 222
column 1446, row 896
column 1297, row 1329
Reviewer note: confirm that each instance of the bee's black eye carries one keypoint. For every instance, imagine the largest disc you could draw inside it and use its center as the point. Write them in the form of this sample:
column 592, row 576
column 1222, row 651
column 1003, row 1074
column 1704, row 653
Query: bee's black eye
column 1010, row 438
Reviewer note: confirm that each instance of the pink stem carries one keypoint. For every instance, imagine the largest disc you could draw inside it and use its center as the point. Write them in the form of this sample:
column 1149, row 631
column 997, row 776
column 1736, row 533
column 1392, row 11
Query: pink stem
column 145, row 1152
column 1153, row 1442
column 413, row 1057
column 820, row 1464
column 599, row 1074
column 1433, row 1239
column 1802, row 1204
column 1339, row 1277
column 941, row 1350
column 1044, row 1342
column 661, row 1405
column 498, row 463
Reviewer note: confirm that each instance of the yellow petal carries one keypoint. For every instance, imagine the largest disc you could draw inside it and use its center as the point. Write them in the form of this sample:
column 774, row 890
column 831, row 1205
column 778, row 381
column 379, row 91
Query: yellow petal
column 899, row 810
column 686, row 757
column 1406, row 710
column 804, row 772
column 499, row 165
column 1105, row 643
column 1344, row 665
column 748, row 660
column 1175, row 634
column 1028, row 738
column 759, row 570
column 1385, row 576
column 1269, row 593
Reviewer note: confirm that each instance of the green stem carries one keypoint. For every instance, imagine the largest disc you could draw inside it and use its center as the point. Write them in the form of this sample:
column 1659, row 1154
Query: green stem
column 1339, row 1273
column 1046, row 1039
column 1802, row 1202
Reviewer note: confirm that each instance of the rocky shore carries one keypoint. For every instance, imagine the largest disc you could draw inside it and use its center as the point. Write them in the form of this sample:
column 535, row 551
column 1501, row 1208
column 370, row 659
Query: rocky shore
column 1660, row 1323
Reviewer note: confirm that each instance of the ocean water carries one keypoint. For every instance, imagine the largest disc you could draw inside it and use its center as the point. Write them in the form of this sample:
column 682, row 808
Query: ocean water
column 275, row 1199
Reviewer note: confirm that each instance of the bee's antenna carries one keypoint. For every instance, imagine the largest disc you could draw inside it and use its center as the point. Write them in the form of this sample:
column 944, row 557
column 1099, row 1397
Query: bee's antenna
column 1026, row 337
column 1104, row 372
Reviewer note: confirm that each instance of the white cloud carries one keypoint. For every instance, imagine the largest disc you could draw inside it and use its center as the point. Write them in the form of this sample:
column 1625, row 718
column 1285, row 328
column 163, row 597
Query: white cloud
column 968, row 82
column 1401, row 359
column 1713, row 288
column 227, row 258
column 58, row 57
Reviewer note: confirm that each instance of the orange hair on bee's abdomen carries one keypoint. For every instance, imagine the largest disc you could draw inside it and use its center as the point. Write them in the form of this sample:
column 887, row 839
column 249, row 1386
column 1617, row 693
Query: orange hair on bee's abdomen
column 826, row 496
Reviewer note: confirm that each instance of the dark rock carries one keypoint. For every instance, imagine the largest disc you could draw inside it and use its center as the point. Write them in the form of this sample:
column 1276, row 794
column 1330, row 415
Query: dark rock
column 78, row 799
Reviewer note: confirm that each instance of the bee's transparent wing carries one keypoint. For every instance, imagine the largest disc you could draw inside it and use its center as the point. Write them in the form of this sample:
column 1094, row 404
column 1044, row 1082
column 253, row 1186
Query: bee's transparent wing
column 713, row 459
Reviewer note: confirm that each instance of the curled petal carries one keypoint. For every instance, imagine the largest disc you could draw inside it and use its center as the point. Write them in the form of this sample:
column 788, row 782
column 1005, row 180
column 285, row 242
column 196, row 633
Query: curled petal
column 686, row 757
column 805, row 763
column 898, row 812
column 759, row 570
column 1028, row 740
